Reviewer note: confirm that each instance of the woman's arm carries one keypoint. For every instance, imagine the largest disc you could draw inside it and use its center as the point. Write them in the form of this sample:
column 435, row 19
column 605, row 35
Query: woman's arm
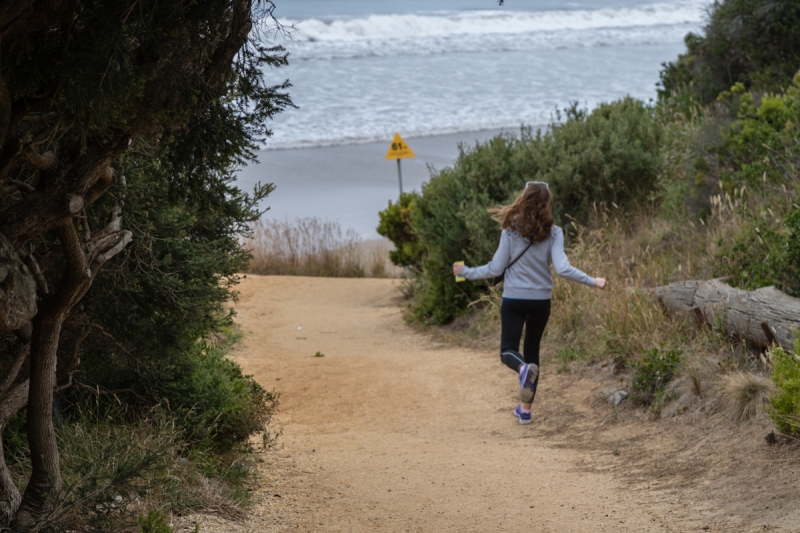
column 493, row 268
column 565, row 270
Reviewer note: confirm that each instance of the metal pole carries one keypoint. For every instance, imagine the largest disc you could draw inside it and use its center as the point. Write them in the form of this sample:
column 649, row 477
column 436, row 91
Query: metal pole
column 400, row 177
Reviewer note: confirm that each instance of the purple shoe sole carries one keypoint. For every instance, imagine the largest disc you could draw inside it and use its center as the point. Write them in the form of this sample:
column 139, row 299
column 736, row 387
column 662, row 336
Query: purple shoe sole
column 527, row 381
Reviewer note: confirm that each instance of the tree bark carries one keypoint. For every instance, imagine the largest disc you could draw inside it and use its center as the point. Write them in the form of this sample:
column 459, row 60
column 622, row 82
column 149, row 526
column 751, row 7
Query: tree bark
column 10, row 498
column 763, row 316
column 45, row 481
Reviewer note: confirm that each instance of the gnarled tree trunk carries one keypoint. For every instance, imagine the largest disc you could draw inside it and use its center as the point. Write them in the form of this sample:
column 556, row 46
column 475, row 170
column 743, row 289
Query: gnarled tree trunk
column 763, row 316
column 10, row 497
column 84, row 261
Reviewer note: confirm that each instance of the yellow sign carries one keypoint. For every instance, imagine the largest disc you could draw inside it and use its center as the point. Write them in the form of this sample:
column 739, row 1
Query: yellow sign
column 399, row 149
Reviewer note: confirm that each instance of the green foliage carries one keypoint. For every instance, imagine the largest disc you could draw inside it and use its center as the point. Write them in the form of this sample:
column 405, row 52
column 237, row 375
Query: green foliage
column 651, row 375
column 610, row 155
column 753, row 42
column 395, row 224
column 154, row 522
column 212, row 402
column 785, row 400
column 760, row 255
column 110, row 460
column 149, row 107
column 762, row 143
column 452, row 222
column 760, row 150
column 169, row 288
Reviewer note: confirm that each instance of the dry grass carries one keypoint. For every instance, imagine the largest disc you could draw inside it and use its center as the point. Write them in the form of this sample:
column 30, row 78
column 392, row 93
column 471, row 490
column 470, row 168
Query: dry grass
column 314, row 247
column 745, row 394
column 636, row 254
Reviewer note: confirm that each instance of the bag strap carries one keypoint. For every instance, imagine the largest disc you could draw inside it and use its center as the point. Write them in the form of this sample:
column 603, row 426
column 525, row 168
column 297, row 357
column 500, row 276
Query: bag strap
column 518, row 257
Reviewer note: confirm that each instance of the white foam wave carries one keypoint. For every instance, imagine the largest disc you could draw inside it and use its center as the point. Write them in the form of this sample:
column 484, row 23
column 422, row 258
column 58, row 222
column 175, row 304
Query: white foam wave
column 642, row 35
column 494, row 22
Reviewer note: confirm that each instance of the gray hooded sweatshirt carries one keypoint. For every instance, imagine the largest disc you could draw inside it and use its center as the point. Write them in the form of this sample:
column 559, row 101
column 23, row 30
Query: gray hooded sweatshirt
column 529, row 278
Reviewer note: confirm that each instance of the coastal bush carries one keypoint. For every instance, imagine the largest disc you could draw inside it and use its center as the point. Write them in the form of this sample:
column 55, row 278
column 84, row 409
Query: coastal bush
column 753, row 42
column 761, row 183
column 395, row 224
column 215, row 406
column 146, row 117
column 609, row 157
column 785, row 399
column 452, row 223
column 652, row 373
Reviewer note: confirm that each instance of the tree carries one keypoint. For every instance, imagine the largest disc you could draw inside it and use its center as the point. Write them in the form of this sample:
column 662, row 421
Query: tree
column 82, row 85
column 753, row 42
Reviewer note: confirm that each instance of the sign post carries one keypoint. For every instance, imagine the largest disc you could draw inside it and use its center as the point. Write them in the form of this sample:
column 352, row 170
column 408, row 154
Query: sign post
column 399, row 150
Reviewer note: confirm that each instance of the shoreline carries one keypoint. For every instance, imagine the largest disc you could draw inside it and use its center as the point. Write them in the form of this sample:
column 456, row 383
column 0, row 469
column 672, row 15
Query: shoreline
column 350, row 183
column 337, row 144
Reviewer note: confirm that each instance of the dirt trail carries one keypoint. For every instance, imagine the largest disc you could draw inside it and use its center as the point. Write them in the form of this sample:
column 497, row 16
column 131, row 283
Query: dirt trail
column 390, row 432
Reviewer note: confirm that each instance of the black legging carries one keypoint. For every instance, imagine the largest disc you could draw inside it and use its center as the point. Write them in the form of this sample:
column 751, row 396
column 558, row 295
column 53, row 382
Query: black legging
column 513, row 315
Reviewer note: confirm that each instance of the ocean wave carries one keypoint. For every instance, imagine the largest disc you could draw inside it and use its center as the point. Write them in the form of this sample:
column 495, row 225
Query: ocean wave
column 494, row 22
column 590, row 38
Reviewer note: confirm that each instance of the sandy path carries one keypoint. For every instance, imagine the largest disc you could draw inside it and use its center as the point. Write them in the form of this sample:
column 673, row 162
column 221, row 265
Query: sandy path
column 389, row 432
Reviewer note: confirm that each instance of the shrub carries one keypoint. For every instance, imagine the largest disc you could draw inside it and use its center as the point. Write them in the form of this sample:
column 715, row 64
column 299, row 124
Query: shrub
column 117, row 466
column 652, row 373
column 610, row 155
column 395, row 224
column 452, row 222
column 760, row 172
column 755, row 42
column 785, row 399
column 154, row 522
column 762, row 254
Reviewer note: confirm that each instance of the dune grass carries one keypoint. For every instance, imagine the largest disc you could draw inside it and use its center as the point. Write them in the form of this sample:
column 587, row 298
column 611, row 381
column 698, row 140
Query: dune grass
column 315, row 247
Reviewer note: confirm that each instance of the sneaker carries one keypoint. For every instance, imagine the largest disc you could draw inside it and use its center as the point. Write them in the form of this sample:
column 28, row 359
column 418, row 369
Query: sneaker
column 527, row 382
column 524, row 418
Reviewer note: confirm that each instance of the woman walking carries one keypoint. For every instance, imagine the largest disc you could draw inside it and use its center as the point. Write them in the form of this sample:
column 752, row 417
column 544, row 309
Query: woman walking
column 529, row 243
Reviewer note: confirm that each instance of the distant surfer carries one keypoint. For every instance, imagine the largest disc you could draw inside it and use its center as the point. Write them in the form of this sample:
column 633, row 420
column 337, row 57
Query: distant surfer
column 529, row 243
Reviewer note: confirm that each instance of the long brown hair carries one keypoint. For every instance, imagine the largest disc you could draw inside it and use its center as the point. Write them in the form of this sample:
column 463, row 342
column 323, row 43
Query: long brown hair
column 529, row 214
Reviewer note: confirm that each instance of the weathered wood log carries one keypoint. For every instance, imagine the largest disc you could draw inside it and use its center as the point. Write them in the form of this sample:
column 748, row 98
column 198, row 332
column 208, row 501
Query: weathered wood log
column 763, row 316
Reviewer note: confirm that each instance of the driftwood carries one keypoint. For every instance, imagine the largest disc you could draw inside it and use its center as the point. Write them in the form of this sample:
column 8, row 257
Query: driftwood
column 763, row 316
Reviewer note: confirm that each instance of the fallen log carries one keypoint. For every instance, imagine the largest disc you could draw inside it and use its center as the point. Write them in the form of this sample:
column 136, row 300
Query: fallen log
column 764, row 316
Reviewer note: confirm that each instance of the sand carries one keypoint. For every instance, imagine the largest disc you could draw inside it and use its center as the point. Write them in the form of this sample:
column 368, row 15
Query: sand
column 390, row 431
column 349, row 183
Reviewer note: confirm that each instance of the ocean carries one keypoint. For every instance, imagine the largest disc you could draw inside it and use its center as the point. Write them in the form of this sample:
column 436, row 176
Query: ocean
column 439, row 73
column 363, row 69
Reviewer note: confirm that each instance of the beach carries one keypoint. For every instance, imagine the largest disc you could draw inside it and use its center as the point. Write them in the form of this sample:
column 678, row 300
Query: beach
column 349, row 183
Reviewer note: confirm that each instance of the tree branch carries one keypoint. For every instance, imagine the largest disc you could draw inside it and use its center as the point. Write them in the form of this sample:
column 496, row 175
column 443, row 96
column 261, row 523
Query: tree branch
column 22, row 354
column 44, row 162
column 117, row 248
column 36, row 272
column 89, row 177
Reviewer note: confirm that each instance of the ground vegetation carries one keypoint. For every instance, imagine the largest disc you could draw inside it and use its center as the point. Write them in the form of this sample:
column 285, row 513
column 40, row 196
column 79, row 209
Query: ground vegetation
column 648, row 195
column 121, row 126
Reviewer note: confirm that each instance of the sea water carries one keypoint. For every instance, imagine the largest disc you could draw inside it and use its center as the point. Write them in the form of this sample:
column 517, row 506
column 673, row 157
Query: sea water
column 363, row 69
column 441, row 72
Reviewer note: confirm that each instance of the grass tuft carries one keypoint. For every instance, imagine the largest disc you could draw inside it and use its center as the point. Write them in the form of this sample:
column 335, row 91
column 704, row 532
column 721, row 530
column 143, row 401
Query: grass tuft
column 745, row 394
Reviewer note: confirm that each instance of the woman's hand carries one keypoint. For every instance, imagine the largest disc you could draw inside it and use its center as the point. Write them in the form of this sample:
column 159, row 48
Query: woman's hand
column 457, row 269
column 600, row 283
